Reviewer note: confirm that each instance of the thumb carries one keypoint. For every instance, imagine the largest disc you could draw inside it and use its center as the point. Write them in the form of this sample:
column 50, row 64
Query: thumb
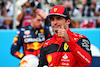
column 62, row 27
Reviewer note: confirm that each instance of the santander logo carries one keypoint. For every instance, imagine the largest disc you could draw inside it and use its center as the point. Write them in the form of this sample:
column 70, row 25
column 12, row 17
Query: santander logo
column 65, row 56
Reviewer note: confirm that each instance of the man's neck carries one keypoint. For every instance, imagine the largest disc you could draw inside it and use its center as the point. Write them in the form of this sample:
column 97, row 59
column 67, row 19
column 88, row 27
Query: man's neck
column 33, row 26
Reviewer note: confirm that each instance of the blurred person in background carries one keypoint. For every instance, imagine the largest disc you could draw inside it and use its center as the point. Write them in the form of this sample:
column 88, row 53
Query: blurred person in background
column 98, row 15
column 65, row 48
column 93, row 6
column 24, row 17
column 9, row 10
column 96, row 7
column 4, row 24
column 76, row 12
column 73, row 12
column 88, row 12
column 31, row 37
column 38, row 4
column 78, row 15
column 69, row 6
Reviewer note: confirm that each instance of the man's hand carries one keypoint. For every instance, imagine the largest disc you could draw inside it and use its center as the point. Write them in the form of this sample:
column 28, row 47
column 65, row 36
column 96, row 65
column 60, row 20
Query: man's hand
column 41, row 13
column 27, row 4
column 63, row 34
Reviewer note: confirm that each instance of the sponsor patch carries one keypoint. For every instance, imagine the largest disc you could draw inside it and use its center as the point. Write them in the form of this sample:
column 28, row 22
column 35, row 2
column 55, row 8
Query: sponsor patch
column 18, row 32
column 65, row 46
column 22, row 29
column 41, row 30
column 15, row 40
column 65, row 56
column 85, row 43
column 49, row 58
column 27, row 32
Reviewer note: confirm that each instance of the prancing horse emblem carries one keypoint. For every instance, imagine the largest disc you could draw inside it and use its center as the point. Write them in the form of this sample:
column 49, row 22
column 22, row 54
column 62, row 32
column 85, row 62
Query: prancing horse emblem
column 65, row 46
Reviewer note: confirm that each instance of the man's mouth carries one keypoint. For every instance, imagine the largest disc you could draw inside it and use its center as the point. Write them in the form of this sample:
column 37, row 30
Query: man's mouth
column 56, row 26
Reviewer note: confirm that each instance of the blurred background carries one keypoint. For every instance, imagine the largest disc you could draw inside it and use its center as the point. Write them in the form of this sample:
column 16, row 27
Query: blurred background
column 85, row 19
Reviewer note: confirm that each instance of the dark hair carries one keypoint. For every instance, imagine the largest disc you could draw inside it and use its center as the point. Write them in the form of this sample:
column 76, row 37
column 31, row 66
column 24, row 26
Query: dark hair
column 68, row 8
column 32, row 4
column 99, row 10
column 2, row 5
column 88, row 2
column 33, row 13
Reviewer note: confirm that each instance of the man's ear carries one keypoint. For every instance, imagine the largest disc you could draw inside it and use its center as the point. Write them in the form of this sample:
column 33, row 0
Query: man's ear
column 68, row 21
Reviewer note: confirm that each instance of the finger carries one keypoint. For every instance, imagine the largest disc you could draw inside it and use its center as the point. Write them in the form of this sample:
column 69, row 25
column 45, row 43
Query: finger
column 60, row 32
column 41, row 13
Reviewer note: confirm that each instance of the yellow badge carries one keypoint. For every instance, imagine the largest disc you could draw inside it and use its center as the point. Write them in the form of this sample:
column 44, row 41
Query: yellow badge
column 15, row 39
column 49, row 58
column 41, row 30
column 65, row 46
column 55, row 9
column 36, row 32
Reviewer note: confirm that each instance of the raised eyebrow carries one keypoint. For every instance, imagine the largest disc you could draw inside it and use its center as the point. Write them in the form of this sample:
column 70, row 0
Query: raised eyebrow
column 52, row 18
column 59, row 17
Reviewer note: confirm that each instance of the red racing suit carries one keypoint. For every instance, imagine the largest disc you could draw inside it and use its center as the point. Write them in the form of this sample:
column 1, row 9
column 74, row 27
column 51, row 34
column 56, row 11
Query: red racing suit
column 57, row 53
column 30, row 39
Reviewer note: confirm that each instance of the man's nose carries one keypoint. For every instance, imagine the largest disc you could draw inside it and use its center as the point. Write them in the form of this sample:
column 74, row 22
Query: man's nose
column 55, row 21
column 41, row 22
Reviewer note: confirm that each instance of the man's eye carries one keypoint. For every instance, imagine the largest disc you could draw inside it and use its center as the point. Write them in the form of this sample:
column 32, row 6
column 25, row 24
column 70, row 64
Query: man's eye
column 51, row 19
column 39, row 20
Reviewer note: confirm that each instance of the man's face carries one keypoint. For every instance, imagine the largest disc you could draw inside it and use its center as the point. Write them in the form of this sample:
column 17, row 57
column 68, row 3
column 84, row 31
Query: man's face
column 57, row 22
column 37, row 21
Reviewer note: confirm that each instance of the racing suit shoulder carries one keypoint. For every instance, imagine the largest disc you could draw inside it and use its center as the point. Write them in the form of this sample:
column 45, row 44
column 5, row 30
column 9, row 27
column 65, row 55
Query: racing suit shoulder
column 77, row 36
column 81, row 40
column 48, row 42
column 81, row 48
column 25, row 28
column 22, row 29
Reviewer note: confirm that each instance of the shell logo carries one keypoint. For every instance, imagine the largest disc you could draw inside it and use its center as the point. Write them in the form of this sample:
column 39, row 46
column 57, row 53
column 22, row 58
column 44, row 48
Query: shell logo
column 65, row 46
column 49, row 58
column 55, row 9
column 15, row 39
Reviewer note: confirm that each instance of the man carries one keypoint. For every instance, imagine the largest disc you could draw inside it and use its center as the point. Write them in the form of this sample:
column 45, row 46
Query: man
column 65, row 48
column 4, row 24
column 24, row 18
column 31, row 37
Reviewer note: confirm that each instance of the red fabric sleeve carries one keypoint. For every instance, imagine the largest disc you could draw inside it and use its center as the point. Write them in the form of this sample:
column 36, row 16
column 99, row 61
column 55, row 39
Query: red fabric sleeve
column 81, row 55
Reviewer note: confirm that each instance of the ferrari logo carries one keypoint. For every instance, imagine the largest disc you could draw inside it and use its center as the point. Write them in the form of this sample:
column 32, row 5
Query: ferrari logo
column 65, row 46
column 55, row 9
